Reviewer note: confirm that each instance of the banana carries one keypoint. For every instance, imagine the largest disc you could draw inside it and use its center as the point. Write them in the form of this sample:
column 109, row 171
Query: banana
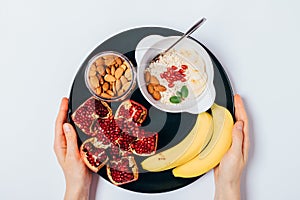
column 212, row 154
column 187, row 149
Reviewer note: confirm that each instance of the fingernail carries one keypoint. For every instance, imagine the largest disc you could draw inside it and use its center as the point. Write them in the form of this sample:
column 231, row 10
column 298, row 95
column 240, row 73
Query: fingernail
column 239, row 125
column 67, row 128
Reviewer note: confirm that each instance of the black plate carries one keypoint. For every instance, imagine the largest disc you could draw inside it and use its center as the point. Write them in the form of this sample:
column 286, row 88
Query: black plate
column 171, row 127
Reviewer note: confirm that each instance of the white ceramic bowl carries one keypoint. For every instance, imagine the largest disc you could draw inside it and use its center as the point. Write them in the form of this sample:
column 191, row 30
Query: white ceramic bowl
column 149, row 47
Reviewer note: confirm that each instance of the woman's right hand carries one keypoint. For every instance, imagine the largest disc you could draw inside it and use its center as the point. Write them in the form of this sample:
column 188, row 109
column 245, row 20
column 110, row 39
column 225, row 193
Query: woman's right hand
column 228, row 172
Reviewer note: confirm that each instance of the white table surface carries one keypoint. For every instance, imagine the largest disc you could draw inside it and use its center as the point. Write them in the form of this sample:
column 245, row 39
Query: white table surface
column 43, row 43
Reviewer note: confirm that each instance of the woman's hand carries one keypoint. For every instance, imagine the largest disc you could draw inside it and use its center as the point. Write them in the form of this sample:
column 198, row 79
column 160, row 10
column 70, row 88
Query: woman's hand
column 78, row 177
column 228, row 172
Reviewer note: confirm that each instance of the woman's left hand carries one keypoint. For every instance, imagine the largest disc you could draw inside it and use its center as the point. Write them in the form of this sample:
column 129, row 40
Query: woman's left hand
column 78, row 177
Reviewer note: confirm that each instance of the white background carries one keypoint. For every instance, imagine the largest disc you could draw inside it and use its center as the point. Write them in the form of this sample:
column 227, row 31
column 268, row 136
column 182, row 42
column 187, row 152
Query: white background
column 43, row 43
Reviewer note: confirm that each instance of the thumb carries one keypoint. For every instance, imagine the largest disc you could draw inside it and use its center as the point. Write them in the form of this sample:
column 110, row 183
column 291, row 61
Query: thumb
column 237, row 136
column 71, row 138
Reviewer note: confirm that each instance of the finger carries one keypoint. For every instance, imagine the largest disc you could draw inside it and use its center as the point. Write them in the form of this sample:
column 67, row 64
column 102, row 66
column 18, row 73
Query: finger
column 59, row 139
column 237, row 138
column 240, row 114
column 71, row 137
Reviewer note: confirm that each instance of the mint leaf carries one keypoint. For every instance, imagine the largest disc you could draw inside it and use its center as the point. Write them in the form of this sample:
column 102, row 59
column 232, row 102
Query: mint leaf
column 175, row 99
column 184, row 91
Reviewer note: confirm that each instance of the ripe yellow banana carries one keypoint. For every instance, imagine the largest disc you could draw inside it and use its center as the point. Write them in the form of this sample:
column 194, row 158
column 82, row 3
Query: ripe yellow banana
column 216, row 148
column 187, row 149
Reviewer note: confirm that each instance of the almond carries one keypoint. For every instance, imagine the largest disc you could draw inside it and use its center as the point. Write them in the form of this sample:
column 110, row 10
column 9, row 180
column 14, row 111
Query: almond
column 126, row 86
column 114, row 88
column 109, row 61
column 120, row 92
column 126, row 64
column 94, row 81
column 108, row 57
column 128, row 74
column 156, row 95
column 101, row 70
column 99, row 62
column 147, row 76
column 112, row 70
column 123, row 80
column 107, row 70
column 109, row 78
column 160, row 88
column 118, row 84
column 105, row 86
column 123, row 67
column 119, row 72
column 150, row 88
column 105, row 95
column 92, row 72
column 154, row 80
column 111, row 93
column 93, row 67
column 98, row 90
column 101, row 80
column 118, row 61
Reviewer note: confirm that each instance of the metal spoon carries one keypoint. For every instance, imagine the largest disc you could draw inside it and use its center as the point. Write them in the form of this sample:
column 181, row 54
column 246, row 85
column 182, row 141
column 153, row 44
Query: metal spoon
column 186, row 34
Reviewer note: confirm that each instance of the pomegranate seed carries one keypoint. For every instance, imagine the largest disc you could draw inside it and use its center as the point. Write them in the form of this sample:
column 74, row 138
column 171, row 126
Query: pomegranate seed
column 181, row 71
column 174, row 67
column 170, row 85
column 184, row 66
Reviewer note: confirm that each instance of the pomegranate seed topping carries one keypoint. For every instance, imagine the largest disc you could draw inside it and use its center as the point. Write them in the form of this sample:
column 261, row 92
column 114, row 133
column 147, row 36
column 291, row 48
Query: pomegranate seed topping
column 170, row 85
column 181, row 71
column 184, row 66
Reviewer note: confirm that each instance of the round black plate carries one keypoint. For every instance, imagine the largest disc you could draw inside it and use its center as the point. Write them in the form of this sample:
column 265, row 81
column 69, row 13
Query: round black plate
column 171, row 127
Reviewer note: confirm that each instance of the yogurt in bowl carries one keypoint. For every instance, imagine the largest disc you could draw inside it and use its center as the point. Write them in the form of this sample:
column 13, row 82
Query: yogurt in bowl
column 181, row 80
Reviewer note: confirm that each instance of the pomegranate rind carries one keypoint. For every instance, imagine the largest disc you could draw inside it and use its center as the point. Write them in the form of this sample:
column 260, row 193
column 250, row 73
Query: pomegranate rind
column 87, row 114
column 84, row 156
column 137, row 115
column 131, row 166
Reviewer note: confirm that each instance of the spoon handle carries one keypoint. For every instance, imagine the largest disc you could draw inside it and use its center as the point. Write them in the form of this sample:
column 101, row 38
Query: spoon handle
column 190, row 31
